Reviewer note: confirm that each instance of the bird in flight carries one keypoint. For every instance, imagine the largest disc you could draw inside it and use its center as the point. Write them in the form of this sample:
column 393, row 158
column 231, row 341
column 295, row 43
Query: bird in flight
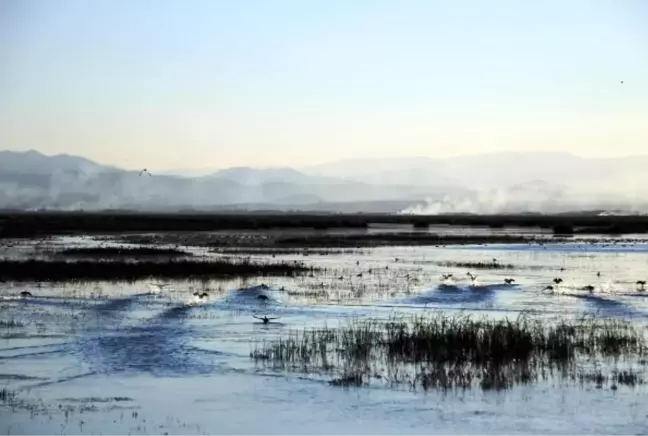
column 145, row 171
column 265, row 319
column 159, row 287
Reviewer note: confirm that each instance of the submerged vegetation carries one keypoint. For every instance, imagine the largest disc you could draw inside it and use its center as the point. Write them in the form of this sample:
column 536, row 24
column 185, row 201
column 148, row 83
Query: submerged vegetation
column 279, row 251
column 58, row 271
column 477, row 265
column 106, row 252
column 449, row 352
column 11, row 323
column 386, row 239
column 314, row 242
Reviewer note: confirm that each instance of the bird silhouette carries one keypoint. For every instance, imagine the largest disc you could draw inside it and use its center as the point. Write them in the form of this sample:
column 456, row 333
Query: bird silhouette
column 265, row 319
column 144, row 171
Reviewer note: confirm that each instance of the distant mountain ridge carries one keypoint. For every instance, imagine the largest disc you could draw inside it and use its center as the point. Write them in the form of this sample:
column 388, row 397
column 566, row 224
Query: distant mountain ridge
column 32, row 161
column 32, row 180
column 492, row 183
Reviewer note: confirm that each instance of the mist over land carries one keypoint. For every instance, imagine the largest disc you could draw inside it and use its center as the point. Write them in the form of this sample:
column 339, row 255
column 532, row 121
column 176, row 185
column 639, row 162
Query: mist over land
column 481, row 184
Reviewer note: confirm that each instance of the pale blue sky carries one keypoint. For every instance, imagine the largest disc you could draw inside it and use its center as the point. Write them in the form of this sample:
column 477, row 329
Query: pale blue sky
column 168, row 84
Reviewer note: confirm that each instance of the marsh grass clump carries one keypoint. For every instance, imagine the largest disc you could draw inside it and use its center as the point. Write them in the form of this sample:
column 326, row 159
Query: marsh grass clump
column 11, row 323
column 6, row 395
column 449, row 352
column 348, row 380
column 477, row 265
column 627, row 377
column 108, row 252
column 126, row 270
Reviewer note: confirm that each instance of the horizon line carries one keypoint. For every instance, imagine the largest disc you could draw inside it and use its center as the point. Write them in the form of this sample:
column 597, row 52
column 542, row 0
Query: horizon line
column 350, row 159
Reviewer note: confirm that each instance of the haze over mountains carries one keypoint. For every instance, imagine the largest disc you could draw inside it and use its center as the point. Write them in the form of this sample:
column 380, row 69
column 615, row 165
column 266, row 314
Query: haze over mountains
column 492, row 183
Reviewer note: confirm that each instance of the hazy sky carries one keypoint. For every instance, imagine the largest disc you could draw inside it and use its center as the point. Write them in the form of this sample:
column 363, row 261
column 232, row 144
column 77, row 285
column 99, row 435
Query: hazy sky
column 177, row 84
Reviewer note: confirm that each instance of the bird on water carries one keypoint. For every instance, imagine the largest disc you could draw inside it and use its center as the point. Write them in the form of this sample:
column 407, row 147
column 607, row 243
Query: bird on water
column 265, row 319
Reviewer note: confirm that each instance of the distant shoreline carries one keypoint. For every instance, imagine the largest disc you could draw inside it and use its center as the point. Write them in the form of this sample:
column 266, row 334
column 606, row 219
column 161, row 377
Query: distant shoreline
column 28, row 224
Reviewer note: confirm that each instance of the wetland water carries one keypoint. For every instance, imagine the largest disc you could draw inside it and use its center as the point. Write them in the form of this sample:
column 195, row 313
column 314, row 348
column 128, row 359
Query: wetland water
column 103, row 357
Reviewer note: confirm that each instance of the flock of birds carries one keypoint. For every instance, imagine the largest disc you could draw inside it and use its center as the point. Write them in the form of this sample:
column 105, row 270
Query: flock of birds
column 641, row 285
column 445, row 278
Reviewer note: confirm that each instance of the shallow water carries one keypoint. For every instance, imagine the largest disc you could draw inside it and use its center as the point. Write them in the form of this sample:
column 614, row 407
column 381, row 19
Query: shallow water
column 137, row 358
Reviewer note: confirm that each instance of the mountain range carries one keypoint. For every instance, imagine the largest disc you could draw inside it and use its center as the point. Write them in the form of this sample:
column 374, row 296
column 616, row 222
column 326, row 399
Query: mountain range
column 489, row 183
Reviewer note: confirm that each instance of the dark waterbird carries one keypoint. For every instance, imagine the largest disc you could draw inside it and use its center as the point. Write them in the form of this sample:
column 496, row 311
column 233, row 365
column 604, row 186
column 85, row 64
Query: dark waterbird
column 265, row 319
column 641, row 284
column 26, row 294
column 557, row 280
column 201, row 295
column 509, row 281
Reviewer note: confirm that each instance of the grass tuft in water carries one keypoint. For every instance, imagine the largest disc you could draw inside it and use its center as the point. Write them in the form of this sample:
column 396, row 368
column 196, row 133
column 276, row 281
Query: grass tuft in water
column 447, row 352
column 6, row 395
